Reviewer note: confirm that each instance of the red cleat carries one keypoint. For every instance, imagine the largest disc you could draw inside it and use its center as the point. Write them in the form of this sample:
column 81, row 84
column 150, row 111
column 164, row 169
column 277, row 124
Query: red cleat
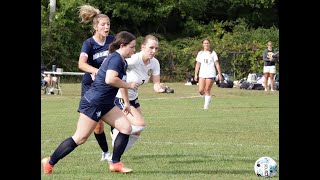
column 119, row 167
column 47, row 168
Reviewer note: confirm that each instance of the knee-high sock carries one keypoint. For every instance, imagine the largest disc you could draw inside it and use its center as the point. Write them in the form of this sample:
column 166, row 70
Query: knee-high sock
column 132, row 139
column 120, row 145
column 207, row 100
column 102, row 141
column 66, row 147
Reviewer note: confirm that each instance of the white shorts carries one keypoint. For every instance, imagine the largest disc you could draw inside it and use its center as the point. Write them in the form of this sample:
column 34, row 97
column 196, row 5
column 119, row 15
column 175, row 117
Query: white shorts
column 269, row 69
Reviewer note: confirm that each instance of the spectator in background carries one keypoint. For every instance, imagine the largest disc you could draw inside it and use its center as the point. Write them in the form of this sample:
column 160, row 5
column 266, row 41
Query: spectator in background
column 206, row 65
column 48, row 80
column 269, row 68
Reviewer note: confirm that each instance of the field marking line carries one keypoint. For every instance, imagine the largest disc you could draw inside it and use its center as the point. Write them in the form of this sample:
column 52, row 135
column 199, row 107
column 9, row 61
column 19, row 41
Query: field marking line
column 160, row 98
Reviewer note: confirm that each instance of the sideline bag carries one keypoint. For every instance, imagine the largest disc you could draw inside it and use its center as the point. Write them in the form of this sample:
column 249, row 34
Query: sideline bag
column 245, row 85
column 226, row 83
column 255, row 86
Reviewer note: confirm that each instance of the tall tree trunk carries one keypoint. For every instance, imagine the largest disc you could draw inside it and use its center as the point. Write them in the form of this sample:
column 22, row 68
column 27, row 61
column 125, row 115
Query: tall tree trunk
column 52, row 9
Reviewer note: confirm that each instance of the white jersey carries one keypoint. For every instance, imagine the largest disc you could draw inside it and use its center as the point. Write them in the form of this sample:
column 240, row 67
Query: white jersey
column 139, row 72
column 207, row 66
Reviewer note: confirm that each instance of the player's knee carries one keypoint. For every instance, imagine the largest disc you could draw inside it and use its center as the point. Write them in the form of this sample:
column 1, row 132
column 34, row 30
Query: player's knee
column 125, row 129
column 80, row 139
column 99, row 128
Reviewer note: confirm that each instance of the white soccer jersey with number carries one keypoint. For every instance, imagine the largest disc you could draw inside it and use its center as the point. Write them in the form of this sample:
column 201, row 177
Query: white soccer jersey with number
column 139, row 72
column 207, row 66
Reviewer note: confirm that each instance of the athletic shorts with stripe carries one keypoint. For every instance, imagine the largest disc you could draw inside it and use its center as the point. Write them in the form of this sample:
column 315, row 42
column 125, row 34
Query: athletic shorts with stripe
column 120, row 103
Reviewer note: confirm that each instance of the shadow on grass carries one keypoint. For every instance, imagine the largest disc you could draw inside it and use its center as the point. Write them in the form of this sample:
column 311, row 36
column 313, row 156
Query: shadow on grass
column 190, row 159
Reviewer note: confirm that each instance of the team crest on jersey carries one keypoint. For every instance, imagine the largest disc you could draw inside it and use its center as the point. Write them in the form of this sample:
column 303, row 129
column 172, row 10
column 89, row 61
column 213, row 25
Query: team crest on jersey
column 100, row 54
column 98, row 114
column 270, row 54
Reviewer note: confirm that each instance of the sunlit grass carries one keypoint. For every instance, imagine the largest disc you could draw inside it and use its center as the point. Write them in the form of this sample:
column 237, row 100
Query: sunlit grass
column 181, row 141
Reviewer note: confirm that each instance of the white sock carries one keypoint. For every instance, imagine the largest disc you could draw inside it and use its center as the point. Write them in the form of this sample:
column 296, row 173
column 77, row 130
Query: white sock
column 132, row 139
column 115, row 133
column 207, row 100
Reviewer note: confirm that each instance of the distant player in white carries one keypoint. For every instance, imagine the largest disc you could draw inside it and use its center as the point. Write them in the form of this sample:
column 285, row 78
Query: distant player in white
column 139, row 67
column 207, row 63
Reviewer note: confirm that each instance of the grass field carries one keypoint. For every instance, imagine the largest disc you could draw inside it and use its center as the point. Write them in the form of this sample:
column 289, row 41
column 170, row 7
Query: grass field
column 181, row 141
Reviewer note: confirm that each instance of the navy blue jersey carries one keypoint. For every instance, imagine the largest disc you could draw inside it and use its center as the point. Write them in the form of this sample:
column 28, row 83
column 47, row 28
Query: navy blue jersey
column 96, row 54
column 266, row 57
column 101, row 93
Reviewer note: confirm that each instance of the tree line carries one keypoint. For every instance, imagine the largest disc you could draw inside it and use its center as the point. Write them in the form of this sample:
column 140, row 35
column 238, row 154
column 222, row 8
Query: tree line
column 238, row 29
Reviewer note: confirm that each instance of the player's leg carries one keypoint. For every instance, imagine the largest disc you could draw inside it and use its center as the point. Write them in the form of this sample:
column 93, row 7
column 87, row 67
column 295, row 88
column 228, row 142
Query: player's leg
column 136, row 119
column 266, row 77
column 207, row 92
column 85, row 127
column 272, row 73
column 201, row 85
column 116, row 118
column 102, row 140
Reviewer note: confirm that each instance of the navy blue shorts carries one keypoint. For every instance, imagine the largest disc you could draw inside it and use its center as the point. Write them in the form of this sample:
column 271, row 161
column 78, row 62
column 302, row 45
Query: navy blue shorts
column 120, row 103
column 94, row 111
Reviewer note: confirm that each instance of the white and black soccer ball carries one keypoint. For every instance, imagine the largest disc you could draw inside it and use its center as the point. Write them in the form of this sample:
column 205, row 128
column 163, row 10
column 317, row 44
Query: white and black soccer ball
column 265, row 167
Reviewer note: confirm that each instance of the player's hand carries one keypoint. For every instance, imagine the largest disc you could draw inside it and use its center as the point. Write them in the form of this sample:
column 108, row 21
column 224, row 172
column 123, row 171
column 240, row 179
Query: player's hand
column 162, row 87
column 271, row 58
column 126, row 109
column 93, row 76
column 134, row 85
column 195, row 77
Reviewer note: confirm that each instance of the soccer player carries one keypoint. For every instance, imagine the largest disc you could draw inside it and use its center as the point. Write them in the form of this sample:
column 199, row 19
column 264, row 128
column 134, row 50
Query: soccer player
column 98, row 103
column 94, row 50
column 139, row 66
column 206, row 65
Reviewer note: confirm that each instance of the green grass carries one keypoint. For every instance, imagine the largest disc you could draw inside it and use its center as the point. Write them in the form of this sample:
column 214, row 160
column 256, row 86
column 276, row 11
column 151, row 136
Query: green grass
column 181, row 141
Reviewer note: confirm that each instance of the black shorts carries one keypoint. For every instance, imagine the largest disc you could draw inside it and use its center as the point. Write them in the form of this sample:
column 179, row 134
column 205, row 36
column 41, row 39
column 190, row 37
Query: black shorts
column 119, row 102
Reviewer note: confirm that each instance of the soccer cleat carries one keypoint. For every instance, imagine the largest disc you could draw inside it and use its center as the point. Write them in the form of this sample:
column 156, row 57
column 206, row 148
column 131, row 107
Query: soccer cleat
column 47, row 168
column 106, row 156
column 119, row 167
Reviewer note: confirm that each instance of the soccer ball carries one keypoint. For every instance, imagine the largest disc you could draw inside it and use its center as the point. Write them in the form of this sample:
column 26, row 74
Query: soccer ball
column 265, row 167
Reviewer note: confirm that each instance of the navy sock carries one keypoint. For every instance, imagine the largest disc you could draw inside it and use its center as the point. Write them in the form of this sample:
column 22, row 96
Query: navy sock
column 102, row 141
column 120, row 145
column 66, row 146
